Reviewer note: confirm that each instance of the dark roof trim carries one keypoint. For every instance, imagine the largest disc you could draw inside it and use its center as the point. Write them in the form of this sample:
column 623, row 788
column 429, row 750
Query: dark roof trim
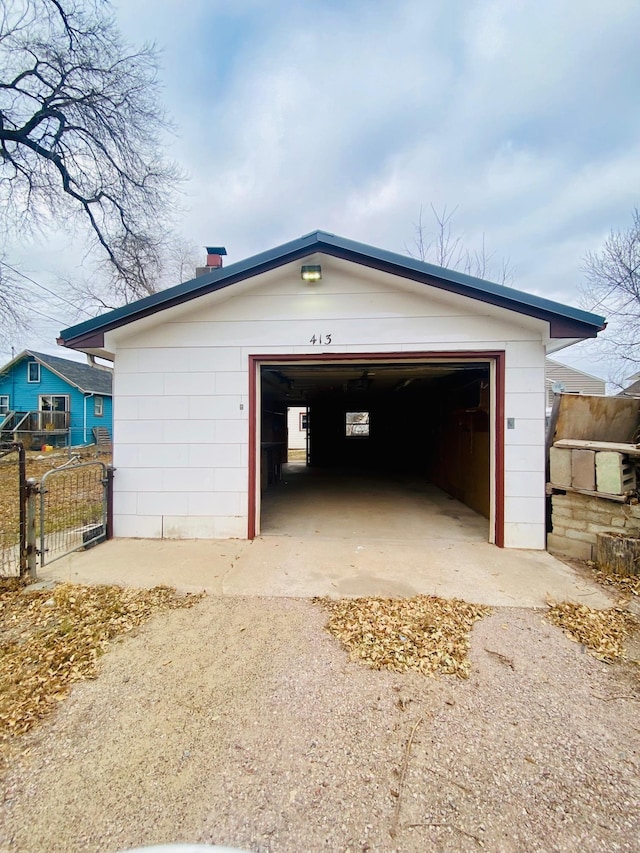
column 565, row 321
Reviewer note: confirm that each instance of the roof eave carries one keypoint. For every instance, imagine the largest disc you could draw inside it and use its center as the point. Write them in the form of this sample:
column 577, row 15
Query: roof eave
column 563, row 322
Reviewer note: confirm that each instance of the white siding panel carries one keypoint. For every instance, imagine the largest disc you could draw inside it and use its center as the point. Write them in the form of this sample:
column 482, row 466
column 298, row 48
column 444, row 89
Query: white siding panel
column 325, row 306
column 137, row 480
column 223, row 407
column 126, row 455
column 525, row 379
column 522, row 535
column 138, row 385
column 164, row 360
column 230, row 479
column 524, row 458
column 189, row 431
column 193, row 384
column 526, row 353
column 214, row 503
column 164, row 455
column 376, row 331
column 188, row 479
column 163, row 503
column 163, row 406
column 128, row 361
column 137, row 526
column 218, row 358
column 230, row 527
column 128, row 503
column 138, row 432
column 522, row 405
column 214, row 455
column 524, row 509
column 232, row 383
column 180, row 527
column 527, row 431
column 125, row 408
column 452, row 345
column 524, row 484
column 271, row 350
column 231, row 431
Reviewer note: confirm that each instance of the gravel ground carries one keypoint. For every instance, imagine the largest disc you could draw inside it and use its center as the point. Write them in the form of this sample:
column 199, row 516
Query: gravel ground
column 242, row 722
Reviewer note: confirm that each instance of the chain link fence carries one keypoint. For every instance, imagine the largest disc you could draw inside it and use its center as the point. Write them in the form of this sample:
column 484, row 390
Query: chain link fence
column 69, row 509
column 13, row 509
column 73, row 509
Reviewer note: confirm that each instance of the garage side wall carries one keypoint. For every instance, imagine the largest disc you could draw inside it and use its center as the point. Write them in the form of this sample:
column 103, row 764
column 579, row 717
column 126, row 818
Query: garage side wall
column 181, row 387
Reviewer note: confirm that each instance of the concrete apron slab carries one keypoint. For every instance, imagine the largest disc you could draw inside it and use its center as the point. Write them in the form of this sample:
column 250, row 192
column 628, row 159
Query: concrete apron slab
column 303, row 567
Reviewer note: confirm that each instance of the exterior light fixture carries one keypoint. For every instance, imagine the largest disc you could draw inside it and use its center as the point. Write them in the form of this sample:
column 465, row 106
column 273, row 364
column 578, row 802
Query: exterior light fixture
column 311, row 272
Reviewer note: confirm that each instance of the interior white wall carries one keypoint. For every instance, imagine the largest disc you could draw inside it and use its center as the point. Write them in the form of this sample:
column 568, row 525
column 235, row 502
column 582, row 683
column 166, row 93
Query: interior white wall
column 297, row 438
column 181, row 389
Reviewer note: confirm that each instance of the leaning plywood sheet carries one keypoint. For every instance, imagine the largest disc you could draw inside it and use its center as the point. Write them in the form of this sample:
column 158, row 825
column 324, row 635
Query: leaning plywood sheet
column 600, row 446
column 590, row 418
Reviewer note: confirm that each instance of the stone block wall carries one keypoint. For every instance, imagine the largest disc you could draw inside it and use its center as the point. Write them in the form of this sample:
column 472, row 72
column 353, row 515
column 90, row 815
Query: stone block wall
column 577, row 518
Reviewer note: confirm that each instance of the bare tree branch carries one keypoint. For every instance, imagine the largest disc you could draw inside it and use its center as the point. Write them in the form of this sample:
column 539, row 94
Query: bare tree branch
column 13, row 305
column 612, row 287
column 80, row 133
column 446, row 249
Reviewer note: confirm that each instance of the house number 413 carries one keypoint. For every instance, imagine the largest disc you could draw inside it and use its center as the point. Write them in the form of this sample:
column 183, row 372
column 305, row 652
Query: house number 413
column 320, row 339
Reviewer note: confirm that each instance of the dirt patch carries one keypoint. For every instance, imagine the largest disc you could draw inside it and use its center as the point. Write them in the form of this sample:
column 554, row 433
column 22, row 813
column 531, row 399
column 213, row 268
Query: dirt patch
column 51, row 638
column 243, row 722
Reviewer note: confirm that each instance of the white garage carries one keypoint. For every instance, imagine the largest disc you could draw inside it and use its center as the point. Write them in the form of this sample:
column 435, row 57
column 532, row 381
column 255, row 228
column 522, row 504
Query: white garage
column 403, row 370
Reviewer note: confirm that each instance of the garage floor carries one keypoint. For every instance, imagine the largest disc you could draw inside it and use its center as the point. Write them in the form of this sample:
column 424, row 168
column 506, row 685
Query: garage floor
column 372, row 538
column 346, row 504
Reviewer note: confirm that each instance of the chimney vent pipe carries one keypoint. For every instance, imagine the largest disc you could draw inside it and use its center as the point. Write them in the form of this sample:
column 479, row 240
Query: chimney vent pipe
column 214, row 259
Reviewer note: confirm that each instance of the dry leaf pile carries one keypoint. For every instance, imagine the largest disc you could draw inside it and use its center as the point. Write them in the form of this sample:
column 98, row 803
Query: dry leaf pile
column 52, row 638
column 422, row 633
column 627, row 585
column 603, row 632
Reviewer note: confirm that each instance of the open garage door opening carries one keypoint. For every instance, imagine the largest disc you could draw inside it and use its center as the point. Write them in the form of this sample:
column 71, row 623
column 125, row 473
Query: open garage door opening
column 377, row 447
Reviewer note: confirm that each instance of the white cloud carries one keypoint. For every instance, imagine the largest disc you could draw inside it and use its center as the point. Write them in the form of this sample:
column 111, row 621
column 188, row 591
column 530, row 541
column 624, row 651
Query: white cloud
column 349, row 116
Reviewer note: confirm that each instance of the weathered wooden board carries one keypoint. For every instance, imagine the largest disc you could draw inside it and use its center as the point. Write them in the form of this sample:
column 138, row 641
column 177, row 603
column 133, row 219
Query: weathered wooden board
column 614, row 446
column 610, row 419
column 618, row 554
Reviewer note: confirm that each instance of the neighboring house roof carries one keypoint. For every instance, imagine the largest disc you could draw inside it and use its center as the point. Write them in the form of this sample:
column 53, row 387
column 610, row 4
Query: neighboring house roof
column 633, row 390
column 554, row 370
column 574, row 381
column 89, row 380
column 565, row 321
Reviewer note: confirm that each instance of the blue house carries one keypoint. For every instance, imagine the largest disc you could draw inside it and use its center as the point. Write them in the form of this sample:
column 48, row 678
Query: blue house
column 46, row 400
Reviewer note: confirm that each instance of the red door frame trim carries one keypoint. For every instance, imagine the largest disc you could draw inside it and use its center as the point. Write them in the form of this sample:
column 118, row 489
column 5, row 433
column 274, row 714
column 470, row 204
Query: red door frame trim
column 497, row 356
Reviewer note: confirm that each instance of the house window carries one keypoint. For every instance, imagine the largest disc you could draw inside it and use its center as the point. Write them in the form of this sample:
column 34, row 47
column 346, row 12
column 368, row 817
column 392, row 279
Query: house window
column 4, row 404
column 98, row 407
column 357, row 424
column 53, row 412
column 304, row 420
column 33, row 371
column 54, row 403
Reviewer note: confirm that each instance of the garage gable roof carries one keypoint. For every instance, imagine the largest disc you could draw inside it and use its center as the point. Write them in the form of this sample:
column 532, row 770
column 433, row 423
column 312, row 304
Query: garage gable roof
column 565, row 321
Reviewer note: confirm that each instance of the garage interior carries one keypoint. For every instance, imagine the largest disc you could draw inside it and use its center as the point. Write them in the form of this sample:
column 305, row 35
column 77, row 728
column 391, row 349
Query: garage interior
column 394, row 449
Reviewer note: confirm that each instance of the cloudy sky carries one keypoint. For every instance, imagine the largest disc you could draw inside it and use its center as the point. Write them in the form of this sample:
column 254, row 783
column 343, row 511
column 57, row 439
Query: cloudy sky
column 352, row 115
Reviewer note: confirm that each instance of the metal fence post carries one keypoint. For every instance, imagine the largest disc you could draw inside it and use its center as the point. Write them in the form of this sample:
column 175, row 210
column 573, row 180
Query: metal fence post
column 31, row 549
column 109, row 527
column 23, row 489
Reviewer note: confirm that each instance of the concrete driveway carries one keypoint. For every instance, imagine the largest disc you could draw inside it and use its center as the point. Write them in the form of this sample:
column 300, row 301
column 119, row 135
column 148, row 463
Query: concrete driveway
column 299, row 566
